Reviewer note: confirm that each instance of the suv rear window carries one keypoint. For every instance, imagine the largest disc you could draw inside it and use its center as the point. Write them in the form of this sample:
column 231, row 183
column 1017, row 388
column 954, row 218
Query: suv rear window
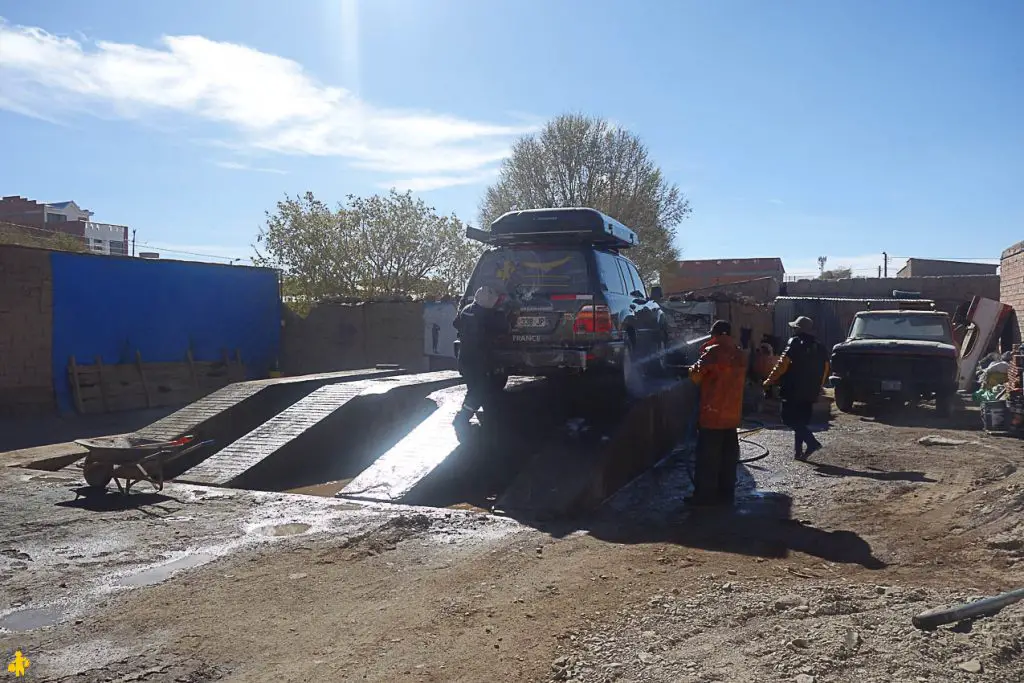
column 910, row 327
column 525, row 271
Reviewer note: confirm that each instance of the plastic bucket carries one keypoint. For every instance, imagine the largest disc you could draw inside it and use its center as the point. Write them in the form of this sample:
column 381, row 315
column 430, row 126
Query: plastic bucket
column 993, row 415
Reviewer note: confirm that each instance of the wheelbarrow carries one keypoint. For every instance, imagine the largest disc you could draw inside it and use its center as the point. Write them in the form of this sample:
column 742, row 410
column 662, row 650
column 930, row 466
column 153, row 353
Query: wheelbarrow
column 132, row 459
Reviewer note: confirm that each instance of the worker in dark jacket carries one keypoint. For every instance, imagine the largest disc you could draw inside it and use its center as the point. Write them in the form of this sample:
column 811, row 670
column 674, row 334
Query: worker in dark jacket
column 800, row 373
column 720, row 373
column 478, row 325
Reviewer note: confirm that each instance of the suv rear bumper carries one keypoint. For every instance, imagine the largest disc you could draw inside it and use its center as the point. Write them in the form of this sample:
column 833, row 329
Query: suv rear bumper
column 552, row 360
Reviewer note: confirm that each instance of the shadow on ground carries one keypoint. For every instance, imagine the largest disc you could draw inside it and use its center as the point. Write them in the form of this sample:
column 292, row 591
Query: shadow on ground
column 16, row 434
column 921, row 416
column 114, row 501
column 652, row 510
column 871, row 473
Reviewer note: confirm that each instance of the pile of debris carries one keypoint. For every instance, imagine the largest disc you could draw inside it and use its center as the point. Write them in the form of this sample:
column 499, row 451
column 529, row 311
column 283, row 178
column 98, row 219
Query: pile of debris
column 1000, row 393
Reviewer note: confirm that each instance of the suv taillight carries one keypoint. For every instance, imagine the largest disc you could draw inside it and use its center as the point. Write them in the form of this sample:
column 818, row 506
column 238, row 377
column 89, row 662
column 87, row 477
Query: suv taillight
column 593, row 319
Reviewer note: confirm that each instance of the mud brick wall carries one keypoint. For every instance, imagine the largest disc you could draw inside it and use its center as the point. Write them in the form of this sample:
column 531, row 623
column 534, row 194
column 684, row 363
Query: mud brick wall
column 353, row 336
column 1011, row 283
column 947, row 291
column 26, row 327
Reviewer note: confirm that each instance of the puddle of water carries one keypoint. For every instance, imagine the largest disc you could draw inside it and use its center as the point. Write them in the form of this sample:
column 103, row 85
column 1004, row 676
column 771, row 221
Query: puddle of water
column 30, row 619
column 291, row 529
column 160, row 573
column 327, row 489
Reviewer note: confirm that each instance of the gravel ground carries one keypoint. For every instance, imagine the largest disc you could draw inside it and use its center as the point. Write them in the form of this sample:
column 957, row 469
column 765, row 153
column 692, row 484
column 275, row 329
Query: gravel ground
column 814, row 576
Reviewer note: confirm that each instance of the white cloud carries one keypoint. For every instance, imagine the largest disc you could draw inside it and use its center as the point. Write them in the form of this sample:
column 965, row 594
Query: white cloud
column 427, row 183
column 262, row 101
column 237, row 166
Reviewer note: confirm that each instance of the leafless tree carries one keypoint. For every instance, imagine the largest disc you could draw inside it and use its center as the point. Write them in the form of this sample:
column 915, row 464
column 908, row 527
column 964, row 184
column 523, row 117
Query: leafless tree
column 577, row 160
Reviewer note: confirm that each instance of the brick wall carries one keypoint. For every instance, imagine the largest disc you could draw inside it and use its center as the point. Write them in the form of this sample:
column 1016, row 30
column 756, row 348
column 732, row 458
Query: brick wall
column 353, row 336
column 763, row 289
column 947, row 292
column 1011, row 284
column 26, row 328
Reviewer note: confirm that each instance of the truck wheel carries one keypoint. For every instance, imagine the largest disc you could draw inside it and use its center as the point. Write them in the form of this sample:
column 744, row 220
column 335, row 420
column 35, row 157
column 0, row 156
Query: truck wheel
column 944, row 405
column 844, row 399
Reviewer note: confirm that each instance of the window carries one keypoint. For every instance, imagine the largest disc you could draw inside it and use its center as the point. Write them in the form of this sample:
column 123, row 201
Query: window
column 610, row 275
column 525, row 271
column 56, row 218
column 633, row 281
column 899, row 326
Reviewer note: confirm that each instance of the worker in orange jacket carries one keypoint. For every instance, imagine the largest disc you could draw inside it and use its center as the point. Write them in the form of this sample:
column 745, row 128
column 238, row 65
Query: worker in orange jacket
column 720, row 373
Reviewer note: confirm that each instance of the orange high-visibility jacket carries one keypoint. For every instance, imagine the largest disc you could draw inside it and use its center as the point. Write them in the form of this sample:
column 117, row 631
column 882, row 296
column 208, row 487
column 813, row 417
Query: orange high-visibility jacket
column 720, row 373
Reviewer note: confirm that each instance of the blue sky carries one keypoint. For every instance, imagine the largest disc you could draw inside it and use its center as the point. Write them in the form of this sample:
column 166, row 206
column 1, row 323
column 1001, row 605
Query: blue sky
column 797, row 129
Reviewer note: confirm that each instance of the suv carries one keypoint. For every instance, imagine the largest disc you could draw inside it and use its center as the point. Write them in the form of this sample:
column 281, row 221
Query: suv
column 575, row 304
column 907, row 355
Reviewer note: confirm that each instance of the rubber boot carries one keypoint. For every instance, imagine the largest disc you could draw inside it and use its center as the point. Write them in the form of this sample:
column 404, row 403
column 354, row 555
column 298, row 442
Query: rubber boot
column 798, row 448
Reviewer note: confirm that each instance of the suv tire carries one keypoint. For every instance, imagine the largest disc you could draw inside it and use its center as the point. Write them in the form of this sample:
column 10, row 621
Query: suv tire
column 944, row 405
column 844, row 398
column 632, row 371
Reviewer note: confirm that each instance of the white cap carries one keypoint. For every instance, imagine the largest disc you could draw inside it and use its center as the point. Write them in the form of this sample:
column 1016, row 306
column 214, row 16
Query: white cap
column 486, row 297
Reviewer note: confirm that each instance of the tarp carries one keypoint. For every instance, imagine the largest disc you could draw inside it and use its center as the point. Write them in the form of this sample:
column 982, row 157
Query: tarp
column 111, row 308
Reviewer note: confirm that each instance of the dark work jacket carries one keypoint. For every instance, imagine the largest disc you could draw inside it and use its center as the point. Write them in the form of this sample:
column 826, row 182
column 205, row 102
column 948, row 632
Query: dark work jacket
column 478, row 329
column 807, row 359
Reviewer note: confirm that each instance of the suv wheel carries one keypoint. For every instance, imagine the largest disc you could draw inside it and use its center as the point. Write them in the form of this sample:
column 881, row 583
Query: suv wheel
column 657, row 366
column 944, row 404
column 844, row 398
column 632, row 370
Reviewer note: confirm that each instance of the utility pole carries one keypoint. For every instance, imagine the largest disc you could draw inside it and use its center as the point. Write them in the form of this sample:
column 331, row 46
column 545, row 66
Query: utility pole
column 885, row 263
column 133, row 241
column 822, row 260
column 879, row 271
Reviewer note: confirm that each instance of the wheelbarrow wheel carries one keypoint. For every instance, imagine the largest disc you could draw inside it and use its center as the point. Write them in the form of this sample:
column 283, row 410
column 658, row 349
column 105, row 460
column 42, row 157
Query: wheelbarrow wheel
column 98, row 474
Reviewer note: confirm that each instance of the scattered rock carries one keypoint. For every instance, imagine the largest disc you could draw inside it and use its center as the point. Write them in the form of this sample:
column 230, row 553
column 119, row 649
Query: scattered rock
column 799, row 644
column 972, row 666
column 648, row 658
column 805, row 678
column 297, row 576
column 852, row 640
column 788, row 602
column 936, row 440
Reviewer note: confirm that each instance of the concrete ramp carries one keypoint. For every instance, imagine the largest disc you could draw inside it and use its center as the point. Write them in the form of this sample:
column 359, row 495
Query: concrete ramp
column 576, row 471
column 418, row 469
column 235, row 410
column 313, row 428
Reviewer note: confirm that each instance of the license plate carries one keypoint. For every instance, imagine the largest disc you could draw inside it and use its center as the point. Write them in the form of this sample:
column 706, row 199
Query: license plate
column 531, row 321
column 892, row 385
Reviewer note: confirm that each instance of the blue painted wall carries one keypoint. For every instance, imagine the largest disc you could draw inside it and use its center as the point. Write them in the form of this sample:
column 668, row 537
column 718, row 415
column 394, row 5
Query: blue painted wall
column 112, row 307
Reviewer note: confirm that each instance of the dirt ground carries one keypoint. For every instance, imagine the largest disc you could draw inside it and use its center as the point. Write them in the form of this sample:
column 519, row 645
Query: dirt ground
column 814, row 577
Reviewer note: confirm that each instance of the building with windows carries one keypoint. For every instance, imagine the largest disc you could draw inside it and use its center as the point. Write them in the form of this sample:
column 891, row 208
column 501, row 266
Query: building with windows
column 66, row 217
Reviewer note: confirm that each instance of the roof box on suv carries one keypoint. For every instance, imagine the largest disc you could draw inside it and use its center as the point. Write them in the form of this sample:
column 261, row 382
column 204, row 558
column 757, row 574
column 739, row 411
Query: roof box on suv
column 582, row 225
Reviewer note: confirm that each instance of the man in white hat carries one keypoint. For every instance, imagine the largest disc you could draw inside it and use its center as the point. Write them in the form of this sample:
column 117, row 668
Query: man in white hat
column 800, row 373
column 478, row 325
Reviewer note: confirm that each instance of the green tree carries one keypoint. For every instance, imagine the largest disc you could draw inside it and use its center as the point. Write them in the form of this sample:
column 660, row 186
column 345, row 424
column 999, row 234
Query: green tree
column 577, row 160
column 388, row 245
column 840, row 273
